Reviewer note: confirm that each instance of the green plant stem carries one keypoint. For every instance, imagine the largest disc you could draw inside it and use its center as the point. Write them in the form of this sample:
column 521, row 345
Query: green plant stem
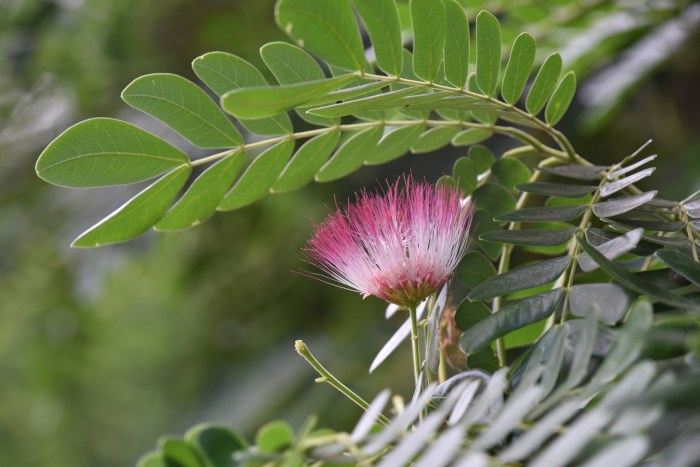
column 556, row 135
column 566, row 279
column 504, row 261
column 326, row 377
column 414, row 345
column 504, row 130
column 689, row 231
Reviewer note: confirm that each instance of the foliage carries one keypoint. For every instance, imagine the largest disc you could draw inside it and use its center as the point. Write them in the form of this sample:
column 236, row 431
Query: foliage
column 595, row 251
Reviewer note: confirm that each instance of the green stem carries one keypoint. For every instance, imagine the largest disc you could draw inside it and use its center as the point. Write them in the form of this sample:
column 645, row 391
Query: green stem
column 504, row 130
column 414, row 344
column 556, row 135
column 327, row 377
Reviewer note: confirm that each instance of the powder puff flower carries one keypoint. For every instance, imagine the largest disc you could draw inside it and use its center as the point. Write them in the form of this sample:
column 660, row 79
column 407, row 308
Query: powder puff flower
column 400, row 245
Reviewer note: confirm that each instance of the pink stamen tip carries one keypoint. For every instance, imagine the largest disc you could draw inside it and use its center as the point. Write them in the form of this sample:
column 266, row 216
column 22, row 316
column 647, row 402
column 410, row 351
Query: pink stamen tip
column 399, row 245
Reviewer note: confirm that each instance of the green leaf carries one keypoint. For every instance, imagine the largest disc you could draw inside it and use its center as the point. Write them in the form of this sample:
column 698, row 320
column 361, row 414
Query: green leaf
column 510, row 172
column 434, row 138
column 429, row 22
column 216, row 444
column 456, row 44
column 350, row 155
column 561, row 98
column 493, row 198
column 274, row 437
column 446, row 180
column 327, row 29
column 663, row 226
column 224, row 72
column 474, row 269
column 524, row 277
column 104, row 151
column 471, row 136
column 488, row 52
column 151, row 459
column 622, row 205
column 381, row 18
column 202, row 197
column 482, row 157
column 623, row 170
column 611, row 299
column 291, row 65
column 552, row 237
column 611, row 249
column 386, row 100
column 518, row 69
column 394, row 144
column 184, row 107
column 556, row 189
column 306, row 162
column 681, row 261
column 578, row 172
column 138, row 214
column 544, row 84
column 613, row 187
column 511, row 317
column 258, row 177
column 464, row 171
column 543, row 214
column 635, row 283
column 178, row 453
column 489, row 118
column 470, row 313
column 663, row 278
column 264, row 101
column 361, row 90
column 483, row 220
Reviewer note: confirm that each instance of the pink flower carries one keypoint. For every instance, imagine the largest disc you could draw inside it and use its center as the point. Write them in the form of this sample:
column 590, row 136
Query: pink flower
column 400, row 245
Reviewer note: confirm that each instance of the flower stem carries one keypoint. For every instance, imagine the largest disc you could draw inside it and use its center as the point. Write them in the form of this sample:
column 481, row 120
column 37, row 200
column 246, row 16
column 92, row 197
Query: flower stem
column 414, row 344
column 327, row 377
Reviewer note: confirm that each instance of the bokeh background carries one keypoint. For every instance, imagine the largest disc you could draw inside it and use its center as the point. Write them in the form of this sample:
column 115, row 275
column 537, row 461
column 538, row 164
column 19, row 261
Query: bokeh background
column 102, row 351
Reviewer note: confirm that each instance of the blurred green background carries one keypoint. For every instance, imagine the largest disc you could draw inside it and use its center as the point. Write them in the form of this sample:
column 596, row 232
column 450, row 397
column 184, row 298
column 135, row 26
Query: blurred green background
column 102, row 351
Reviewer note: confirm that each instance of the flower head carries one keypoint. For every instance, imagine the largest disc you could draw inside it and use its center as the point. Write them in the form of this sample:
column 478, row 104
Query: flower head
column 400, row 245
